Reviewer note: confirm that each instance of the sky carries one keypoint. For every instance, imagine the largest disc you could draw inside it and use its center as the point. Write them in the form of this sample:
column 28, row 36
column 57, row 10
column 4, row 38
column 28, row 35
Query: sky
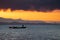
column 46, row 10
column 43, row 5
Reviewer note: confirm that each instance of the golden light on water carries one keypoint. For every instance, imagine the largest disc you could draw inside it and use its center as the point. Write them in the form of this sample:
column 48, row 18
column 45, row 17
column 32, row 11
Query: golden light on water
column 30, row 15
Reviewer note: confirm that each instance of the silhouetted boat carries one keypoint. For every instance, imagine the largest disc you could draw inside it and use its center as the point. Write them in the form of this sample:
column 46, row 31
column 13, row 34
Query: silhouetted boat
column 15, row 27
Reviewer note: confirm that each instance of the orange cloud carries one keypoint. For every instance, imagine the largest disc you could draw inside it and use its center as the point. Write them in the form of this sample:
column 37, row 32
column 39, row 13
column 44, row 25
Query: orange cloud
column 31, row 15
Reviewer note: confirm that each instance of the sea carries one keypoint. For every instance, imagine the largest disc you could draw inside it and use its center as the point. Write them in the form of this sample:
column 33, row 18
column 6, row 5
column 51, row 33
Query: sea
column 31, row 32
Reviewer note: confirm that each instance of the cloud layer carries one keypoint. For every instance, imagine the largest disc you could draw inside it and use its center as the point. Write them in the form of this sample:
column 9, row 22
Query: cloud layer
column 39, row 5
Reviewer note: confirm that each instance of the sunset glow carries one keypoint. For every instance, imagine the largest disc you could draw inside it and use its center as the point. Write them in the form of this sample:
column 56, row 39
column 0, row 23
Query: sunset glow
column 31, row 15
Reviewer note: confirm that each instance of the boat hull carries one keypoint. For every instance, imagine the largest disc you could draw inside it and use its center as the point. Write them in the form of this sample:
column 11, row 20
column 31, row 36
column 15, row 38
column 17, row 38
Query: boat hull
column 17, row 27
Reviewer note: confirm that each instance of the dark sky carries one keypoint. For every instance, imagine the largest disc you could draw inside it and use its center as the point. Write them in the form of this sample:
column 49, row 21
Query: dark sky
column 42, row 5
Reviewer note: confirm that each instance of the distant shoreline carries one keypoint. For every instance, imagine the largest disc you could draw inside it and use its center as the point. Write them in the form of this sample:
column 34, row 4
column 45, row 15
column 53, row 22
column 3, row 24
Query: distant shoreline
column 30, row 23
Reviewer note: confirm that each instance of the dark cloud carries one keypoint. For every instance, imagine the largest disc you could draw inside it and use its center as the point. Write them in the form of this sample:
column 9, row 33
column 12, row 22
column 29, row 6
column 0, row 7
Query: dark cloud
column 39, row 5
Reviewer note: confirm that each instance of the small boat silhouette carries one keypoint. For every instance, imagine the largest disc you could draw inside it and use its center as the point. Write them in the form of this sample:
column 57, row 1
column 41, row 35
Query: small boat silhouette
column 15, row 27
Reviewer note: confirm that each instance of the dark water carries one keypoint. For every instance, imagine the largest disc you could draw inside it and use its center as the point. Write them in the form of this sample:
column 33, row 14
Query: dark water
column 32, row 32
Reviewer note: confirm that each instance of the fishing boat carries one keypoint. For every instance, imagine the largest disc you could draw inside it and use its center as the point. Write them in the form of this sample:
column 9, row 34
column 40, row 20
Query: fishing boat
column 16, row 27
